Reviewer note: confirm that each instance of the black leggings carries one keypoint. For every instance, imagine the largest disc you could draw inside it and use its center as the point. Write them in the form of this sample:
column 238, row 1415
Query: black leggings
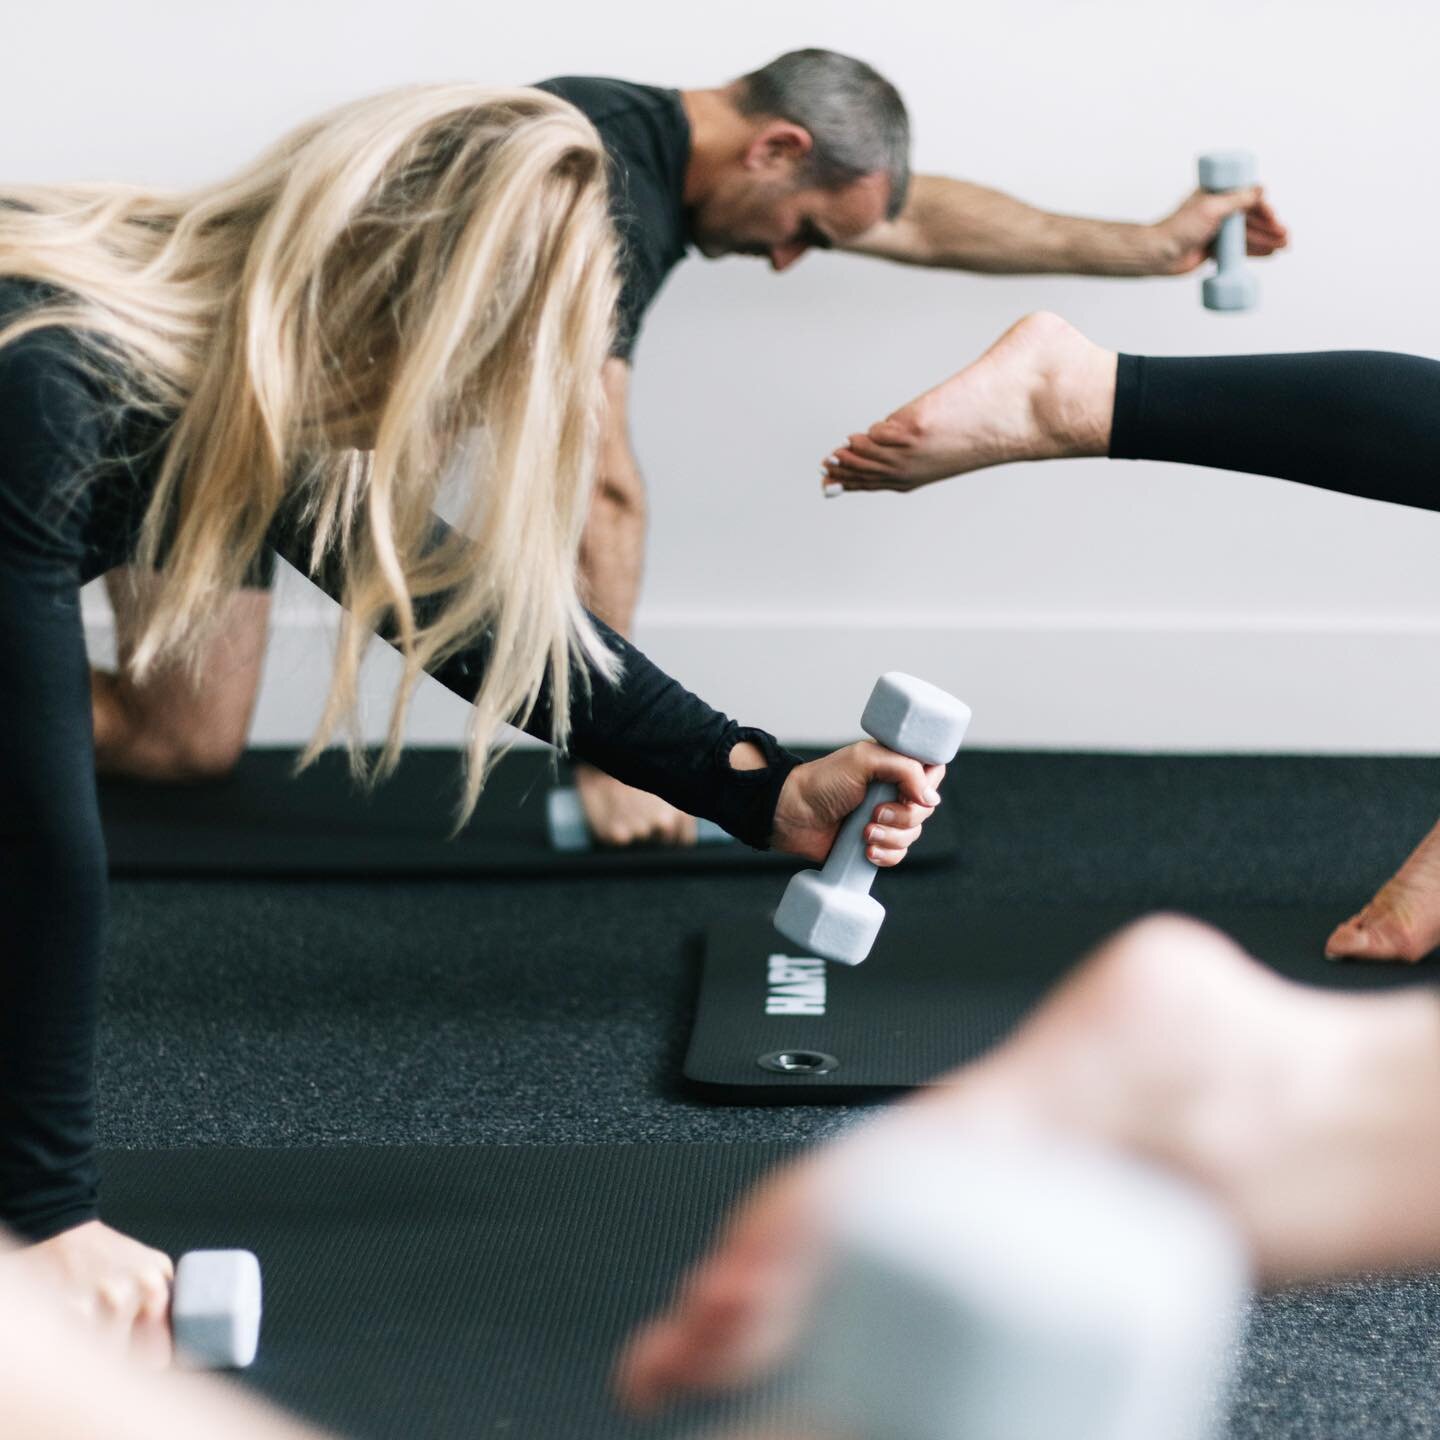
column 1366, row 422
column 52, row 904
column 52, row 853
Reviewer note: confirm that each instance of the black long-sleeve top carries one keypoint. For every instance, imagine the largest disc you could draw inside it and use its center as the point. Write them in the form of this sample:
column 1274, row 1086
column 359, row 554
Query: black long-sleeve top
column 76, row 473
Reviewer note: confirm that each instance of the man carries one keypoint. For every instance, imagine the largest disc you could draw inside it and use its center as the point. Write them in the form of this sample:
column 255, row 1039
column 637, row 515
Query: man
column 809, row 152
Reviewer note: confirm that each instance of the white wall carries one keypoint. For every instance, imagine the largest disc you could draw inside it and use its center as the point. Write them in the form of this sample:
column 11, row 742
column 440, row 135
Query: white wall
column 1084, row 603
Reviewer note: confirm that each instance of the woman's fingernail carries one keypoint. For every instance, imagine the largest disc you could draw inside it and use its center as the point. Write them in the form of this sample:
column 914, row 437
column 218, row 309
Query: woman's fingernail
column 833, row 488
column 932, row 797
column 885, row 816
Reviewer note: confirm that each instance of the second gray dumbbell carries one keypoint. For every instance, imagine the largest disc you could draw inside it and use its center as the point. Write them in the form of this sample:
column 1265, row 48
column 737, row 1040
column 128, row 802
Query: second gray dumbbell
column 1232, row 286
column 831, row 912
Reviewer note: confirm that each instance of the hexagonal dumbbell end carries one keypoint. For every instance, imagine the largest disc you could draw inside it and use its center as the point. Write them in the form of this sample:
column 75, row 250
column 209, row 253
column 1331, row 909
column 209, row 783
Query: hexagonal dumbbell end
column 833, row 922
column 215, row 1309
column 915, row 718
column 830, row 912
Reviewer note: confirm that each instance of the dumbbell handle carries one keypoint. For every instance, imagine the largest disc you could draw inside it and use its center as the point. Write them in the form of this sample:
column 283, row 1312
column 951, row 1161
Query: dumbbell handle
column 1230, row 243
column 847, row 863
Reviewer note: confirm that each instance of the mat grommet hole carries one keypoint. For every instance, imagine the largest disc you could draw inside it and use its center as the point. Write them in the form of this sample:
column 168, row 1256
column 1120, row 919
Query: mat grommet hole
column 798, row 1062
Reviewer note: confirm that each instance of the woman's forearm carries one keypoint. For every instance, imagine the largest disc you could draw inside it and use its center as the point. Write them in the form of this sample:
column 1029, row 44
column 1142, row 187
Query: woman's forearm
column 646, row 729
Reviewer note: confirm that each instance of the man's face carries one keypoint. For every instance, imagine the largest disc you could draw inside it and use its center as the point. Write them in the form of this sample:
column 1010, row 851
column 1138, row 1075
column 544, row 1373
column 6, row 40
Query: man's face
column 769, row 213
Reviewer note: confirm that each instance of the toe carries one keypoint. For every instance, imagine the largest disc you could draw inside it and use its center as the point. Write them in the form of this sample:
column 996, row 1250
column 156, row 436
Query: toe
column 1349, row 941
column 868, row 449
column 1381, row 931
column 852, row 460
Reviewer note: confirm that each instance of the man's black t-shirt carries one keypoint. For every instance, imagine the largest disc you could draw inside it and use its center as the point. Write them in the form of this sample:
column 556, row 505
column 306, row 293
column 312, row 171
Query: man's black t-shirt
column 647, row 135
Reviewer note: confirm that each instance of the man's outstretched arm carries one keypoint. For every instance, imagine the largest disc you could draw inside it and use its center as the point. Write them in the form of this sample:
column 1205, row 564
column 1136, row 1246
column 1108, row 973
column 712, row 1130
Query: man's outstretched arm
column 956, row 225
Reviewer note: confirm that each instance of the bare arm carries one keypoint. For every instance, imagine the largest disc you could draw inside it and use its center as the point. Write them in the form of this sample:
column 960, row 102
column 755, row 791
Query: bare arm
column 953, row 224
column 612, row 561
column 612, row 552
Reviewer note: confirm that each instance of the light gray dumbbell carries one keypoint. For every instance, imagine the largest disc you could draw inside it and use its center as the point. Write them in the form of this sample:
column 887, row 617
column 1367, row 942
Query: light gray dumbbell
column 1232, row 286
column 215, row 1309
column 831, row 912
column 570, row 831
column 984, row 1289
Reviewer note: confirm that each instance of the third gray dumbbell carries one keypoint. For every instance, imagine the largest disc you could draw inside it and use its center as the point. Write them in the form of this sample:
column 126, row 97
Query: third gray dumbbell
column 831, row 912
column 215, row 1309
column 569, row 830
column 1232, row 286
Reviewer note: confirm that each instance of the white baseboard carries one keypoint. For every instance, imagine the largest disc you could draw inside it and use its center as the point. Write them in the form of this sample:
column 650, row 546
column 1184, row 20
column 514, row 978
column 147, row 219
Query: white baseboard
column 1175, row 683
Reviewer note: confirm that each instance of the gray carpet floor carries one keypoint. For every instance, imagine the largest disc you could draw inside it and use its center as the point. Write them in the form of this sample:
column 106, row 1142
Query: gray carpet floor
column 546, row 1011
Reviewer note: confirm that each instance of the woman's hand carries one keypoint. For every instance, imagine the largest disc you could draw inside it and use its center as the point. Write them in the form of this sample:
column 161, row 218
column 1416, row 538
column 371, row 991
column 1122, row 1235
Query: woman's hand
column 818, row 797
column 117, row 1287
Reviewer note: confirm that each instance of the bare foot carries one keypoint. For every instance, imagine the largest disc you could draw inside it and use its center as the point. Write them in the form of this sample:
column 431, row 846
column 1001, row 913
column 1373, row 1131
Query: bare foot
column 1403, row 921
column 1041, row 392
column 1312, row 1117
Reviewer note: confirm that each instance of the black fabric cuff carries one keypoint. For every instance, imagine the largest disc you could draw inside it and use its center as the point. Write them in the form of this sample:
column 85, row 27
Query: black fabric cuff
column 746, row 799
column 1125, row 422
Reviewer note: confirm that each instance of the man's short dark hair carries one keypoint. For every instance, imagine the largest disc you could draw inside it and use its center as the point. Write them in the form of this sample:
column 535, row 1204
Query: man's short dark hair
column 854, row 115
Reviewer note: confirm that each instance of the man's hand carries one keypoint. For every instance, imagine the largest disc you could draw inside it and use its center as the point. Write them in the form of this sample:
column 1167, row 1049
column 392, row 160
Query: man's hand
column 1189, row 233
column 620, row 815
column 817, row 798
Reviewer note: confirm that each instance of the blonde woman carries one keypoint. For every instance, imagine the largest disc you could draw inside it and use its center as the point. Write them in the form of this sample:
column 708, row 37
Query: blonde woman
column 291, row 359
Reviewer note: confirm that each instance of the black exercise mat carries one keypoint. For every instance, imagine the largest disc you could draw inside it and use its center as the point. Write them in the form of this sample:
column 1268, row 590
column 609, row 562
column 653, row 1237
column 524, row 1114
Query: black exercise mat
column 264, row 820
column 772, row 1027
column 420, row 1293
column 424, row 1293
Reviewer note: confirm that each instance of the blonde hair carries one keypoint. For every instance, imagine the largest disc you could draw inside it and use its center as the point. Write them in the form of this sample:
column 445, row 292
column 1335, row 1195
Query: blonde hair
column 392, row 275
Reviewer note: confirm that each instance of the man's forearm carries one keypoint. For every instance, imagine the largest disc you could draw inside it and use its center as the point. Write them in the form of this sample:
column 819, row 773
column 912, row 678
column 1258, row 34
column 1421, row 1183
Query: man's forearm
column 612, row 552
column 953, row 224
